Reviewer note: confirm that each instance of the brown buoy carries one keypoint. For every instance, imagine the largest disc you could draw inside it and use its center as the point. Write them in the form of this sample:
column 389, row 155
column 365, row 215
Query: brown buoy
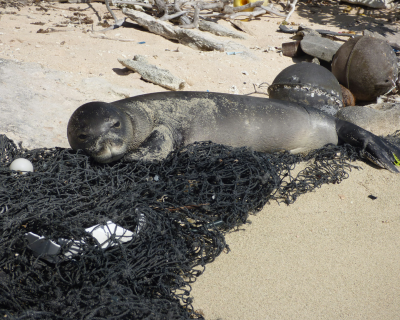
column 367, row 66
column 308, row 84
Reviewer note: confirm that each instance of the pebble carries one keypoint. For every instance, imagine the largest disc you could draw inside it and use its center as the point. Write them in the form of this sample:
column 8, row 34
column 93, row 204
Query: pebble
column 234, row 89
column 270, row 49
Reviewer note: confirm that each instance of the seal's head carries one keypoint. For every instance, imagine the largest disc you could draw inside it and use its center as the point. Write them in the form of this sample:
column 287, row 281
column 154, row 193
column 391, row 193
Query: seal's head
column 102, row 130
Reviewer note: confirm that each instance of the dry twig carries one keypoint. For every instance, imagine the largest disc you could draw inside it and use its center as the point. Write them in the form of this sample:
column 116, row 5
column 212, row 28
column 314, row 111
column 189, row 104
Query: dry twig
column 102, row 36
column 291, row 4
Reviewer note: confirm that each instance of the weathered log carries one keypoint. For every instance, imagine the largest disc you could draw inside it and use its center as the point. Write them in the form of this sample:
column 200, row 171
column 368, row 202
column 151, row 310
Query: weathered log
column 189, row 37
column 219, row 30
column 242, row 26
column 152, row 73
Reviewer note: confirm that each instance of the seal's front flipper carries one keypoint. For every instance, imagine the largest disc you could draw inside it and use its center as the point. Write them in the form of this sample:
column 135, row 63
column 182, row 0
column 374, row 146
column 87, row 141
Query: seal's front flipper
column 157, row 146
column 376, row 149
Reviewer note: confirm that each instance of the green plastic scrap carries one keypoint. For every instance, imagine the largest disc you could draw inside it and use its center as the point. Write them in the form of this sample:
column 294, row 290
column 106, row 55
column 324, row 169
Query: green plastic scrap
column 396, row 162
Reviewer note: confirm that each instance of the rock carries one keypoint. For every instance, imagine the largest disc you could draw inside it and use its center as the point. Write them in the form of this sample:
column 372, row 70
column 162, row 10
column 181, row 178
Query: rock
column 304, row 32
column 321, row 48
column 29, row 91
column 373, row 34
column 92, row 86
column 381, row 119
column 316, row 61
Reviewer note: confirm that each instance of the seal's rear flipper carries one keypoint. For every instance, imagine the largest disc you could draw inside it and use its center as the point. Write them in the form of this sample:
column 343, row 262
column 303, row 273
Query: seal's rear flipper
column 376, row 149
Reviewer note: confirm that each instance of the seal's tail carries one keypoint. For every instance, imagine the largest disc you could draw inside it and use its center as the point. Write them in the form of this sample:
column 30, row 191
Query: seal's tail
column 376, row 149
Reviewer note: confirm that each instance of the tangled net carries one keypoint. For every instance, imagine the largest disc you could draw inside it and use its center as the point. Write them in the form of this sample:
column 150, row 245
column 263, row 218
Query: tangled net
column 178, row 211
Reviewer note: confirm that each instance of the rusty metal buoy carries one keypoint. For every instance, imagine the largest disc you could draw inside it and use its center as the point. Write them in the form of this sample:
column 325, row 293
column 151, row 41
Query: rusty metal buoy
column 348, row 98
column 308, row 84
column 367, row 66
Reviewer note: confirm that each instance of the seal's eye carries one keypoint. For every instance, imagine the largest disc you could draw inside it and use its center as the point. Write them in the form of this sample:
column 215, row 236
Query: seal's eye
column 82, row 136
column 116, row 125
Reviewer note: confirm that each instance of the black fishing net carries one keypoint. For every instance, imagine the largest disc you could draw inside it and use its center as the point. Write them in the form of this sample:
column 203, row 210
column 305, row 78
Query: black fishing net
column 176, row 213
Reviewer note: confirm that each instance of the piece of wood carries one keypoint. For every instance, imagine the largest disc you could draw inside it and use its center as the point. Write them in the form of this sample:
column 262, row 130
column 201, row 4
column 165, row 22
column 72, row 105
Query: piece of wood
column 242, row 26
column 102, row 36
column 219, row 30
column 189, row 37
column 152, row 73
column 251, row 14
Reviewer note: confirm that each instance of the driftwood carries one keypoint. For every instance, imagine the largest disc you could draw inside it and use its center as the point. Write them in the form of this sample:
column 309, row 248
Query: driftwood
column 219, row 30
column 189, row 12
column 290, row 6
column 242, row 26
column 192, row 38
column 102, row 36
column 153, row 74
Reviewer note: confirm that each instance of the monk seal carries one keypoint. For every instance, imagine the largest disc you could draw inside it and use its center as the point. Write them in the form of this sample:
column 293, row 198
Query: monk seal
column 152, row 125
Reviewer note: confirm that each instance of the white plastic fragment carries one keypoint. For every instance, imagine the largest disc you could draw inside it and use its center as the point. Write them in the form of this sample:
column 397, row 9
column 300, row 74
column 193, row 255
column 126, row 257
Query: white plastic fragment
column 108, row 234
column 233, row 53
column 42, row 247
column 74, row 246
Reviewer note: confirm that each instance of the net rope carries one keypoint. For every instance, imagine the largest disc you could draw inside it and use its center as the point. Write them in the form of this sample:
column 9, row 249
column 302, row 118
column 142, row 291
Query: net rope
column 178, row 210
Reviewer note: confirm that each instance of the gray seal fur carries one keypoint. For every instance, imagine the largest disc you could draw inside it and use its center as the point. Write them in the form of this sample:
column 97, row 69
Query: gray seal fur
column 148, row 127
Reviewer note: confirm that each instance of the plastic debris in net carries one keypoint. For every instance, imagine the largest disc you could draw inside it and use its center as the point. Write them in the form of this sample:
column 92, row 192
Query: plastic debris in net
column 81, row 240
column 112, row 234
column 106, row 235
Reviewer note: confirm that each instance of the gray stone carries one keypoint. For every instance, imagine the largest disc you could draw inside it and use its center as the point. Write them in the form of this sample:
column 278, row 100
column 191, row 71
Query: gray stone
column 305, row 32
column 321, row 48
column 92, row 87
column 381, row 119
column 36, row 103
column 373, row 34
